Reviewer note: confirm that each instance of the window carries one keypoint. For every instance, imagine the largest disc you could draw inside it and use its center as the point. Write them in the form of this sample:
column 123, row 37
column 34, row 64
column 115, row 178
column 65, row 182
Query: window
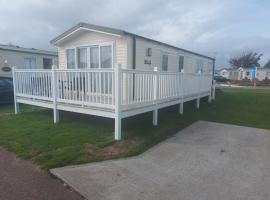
column 106, row 56
column 181, row 63
column 164, row 63
column 82, row 58
column 94, row 57
column 30, row 63
column 210, row 68
column 248, row 73
column 47, row 63
column 148, row 52
column 199, row 66
column 70, row 53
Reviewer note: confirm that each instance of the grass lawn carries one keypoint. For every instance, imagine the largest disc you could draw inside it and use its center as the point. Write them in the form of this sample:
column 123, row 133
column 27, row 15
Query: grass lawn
column 81, row 138
column 6, row 109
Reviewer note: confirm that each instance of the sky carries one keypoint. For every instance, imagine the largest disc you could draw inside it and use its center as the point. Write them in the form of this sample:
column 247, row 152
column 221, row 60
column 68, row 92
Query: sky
column 218, row 28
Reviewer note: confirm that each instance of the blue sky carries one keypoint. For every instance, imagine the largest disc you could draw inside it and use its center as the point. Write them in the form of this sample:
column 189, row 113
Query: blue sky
column 220, row 28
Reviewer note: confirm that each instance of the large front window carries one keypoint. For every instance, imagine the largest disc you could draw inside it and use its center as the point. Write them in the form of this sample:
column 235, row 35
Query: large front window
column 106, row 56
column 70, row 58
column 82, row 58
column 96, row 56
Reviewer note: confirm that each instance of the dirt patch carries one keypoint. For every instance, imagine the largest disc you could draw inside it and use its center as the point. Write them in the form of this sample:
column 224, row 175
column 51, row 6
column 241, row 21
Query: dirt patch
column 115, row 149
column 90, row 148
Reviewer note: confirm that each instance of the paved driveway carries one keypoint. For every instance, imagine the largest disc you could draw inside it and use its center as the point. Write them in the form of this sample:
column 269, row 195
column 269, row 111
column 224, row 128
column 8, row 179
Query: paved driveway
column 22, row 180
column 206, row 161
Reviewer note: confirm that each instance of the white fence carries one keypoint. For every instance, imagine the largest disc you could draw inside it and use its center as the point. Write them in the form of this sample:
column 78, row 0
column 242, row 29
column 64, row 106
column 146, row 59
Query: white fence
column 114, row 91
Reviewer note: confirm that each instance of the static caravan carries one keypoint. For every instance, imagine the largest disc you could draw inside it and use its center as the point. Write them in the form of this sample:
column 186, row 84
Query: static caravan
column 91, row 46
column 24, row 58
column 113, row 73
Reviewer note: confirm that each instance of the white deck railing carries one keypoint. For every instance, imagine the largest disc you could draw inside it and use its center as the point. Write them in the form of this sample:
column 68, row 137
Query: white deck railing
column 115, row 89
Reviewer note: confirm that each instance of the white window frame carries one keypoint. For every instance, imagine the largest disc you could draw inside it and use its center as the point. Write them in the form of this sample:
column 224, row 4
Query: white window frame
column 88, row 46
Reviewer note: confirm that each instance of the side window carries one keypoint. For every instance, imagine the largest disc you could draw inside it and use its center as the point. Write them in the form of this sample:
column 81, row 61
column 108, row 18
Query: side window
column 164, row 62
column 180, row 63
column 70, row 53
column 210, row 67
column 199, row 65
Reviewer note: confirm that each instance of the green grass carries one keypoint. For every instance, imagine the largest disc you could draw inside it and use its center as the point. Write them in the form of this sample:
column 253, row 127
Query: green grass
column 81, row 138
column 9, row 108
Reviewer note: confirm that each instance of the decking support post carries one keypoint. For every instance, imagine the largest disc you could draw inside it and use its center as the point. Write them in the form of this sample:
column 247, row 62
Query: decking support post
column 155, row 117
column 181, row 108
column 214, row 90
column 209, row 98
column 118, row 97
column 198, row 103
column 155, row 89
column 54, row 95
column 181, row 105
column 199, row 89
column 16, row 104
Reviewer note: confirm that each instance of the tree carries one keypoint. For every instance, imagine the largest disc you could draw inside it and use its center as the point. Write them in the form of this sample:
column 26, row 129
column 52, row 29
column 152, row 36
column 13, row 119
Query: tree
column 246, row 60
column 267, row 65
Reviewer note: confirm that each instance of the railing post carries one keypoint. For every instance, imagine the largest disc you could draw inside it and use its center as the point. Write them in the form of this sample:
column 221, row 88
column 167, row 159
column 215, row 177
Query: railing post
column 118, row 97
column 155, row 89
column 54, row 95
column 210, row 92
column 214, row 90
column 16, row 104
column 181, row 105
column 199, row 90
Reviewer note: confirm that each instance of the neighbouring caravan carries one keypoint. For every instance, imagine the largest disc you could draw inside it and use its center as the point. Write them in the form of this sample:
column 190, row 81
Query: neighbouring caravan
column 24, row 58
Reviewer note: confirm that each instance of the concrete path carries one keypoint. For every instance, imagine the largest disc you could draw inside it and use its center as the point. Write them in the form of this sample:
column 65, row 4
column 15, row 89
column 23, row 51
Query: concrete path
column 206, row 161
column 21, row 180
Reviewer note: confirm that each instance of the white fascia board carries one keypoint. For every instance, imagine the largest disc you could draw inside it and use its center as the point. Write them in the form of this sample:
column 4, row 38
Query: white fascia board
column 88, row 29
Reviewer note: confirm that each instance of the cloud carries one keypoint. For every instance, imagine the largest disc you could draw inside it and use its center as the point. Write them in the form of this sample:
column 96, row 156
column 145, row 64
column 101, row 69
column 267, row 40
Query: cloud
column 212, row 27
